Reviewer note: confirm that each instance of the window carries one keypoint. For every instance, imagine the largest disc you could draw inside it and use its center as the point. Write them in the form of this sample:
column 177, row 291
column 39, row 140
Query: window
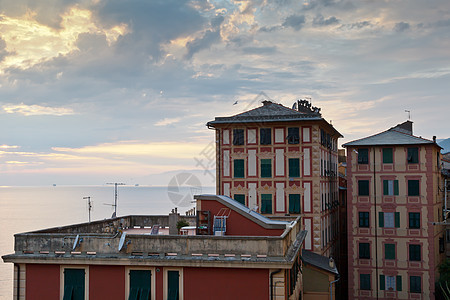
column 240, row 198
column 266, row 203
column 413, row 188
column 415, row 284
column 266, row 168
column 74, row 284
column 265, row 136
column 414, row 220
column 239, row 168
column 363, row 187
column 363, row 156
column 364, row 281
column 390, row 187
column 364, row 250
column 414, row 253
column 293, row 135
column 389, row 251
column 441, row 245
column 390, row 283
column 173, row 285
column 413, row 155
column 387, row 156
column 140, row 284
column 389, row 219
column 294, row 167
column 238, row 137
column 364, row 219
column 294, row 203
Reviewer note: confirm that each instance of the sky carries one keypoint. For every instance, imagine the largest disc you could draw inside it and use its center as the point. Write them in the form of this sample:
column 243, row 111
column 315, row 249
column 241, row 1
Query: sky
column 96, row 91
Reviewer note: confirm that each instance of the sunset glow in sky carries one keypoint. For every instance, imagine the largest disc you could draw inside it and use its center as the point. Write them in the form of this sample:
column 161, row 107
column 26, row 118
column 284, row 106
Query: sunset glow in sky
column 93, row 91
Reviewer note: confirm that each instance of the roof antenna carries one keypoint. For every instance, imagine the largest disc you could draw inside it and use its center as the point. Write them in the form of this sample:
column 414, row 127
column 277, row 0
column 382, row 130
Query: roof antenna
column 115, row 197
column 89, row 206
column 409, row 114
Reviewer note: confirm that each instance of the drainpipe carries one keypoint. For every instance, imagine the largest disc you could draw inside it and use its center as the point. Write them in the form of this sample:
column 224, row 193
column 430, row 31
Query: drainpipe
column 331, row 287
column 271, row 282
column 18, row 281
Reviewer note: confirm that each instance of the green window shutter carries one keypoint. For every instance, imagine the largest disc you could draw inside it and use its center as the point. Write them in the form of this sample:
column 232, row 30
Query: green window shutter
column 413, row 188
column 396, row 187
column 363, row 187
column 389, row 251
column 294, row 167
column 381, row 219
column 382, row 283
column 387, row 156
column 266, row 203
column 294, row 203
column 173, row 286
column 266, row 168
column 397, row 219
column 240, row 198
column 74, row 284
column 398, row 281
column 385, row 187
column 140, row 284
column 239, row 168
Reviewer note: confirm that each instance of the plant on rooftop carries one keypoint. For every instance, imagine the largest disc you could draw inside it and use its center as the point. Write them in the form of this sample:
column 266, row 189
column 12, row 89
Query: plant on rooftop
column 181, row 224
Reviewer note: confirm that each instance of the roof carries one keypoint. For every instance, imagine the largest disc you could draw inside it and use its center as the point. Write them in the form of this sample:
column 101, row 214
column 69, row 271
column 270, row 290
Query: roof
column 274, row 112
column 319, row 261
column 245, row 211
column 398, row 135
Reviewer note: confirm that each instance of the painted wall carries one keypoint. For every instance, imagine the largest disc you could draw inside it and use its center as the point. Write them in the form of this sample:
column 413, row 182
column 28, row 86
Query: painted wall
column 221, row 283
column 238, row 224
column 42, row 281
column 428, row 204
column 106, row 282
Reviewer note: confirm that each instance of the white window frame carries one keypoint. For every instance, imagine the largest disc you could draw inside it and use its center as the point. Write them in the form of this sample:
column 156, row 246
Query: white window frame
column 152, row 284
column 390, row 282
column 86, row 279
column 389, row 220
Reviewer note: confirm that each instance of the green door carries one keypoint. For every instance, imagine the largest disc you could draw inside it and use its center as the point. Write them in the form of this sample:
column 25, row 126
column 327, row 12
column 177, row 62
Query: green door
column 74, row 284
column 140, row 284
column 173, row 278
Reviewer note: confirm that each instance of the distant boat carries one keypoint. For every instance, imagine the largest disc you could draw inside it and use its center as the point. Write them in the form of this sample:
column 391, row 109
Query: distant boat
column 54, row 184
column 137, row 184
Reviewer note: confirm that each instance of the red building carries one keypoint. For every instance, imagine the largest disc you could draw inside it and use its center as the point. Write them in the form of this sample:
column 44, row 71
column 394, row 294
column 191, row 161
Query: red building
column 395, row 204
column 236, row 253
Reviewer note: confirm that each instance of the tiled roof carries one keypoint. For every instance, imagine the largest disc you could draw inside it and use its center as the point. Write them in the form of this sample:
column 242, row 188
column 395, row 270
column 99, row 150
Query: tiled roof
column 269, row 112
column 319, row 261
column 393, row 136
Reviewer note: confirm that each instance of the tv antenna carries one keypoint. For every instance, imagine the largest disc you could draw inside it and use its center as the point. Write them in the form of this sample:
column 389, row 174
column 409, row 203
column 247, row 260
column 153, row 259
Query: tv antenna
column 89, row 206
column 115, row 196
column 409, row 114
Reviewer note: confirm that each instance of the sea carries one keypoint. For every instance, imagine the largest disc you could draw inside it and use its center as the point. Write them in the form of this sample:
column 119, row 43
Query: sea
column 24, row 209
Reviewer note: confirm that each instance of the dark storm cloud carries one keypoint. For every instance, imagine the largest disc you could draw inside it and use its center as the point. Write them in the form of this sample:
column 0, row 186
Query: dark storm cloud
column 320, row 21
column 152, row 23
column 294, row 21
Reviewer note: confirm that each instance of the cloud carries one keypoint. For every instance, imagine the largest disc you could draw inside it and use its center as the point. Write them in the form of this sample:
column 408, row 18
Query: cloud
column 320, row 21
column 8, row 147
column 294, row 21
column 401, row 26
column 36, row 110
column 167, row 121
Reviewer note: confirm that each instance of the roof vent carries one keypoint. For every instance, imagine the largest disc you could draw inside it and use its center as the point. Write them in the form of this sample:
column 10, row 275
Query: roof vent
column 266, row 102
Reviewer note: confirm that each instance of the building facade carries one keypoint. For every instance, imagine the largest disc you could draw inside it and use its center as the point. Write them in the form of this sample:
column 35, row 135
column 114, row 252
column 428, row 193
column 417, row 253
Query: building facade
column 247, row 256
column 280, row 161
column 395, row 205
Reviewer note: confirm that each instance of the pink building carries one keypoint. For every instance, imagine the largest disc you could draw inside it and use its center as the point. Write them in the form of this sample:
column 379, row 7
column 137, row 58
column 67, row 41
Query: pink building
column 395, row 241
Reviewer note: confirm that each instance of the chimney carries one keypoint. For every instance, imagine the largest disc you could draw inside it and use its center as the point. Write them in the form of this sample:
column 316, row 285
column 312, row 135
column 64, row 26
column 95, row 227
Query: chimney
column 434, row 139
column 266, row 102
column 331, row 263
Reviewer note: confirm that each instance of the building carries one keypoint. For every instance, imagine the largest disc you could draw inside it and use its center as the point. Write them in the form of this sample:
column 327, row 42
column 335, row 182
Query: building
column 235, row 253
column 395, row 206
column 281, row 161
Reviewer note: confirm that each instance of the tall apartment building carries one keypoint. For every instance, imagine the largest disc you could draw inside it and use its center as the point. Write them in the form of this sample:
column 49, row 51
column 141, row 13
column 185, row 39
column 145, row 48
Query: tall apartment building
column 395, row 203
column 280, row 161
